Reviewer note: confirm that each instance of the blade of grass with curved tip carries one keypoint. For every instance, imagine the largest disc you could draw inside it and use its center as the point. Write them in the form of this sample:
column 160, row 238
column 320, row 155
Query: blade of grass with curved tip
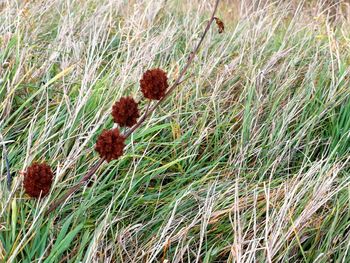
column 63, row 245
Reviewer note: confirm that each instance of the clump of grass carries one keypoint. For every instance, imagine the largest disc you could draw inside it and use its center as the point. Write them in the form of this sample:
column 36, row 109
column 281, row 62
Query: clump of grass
column 154, row 84
column 248, row 161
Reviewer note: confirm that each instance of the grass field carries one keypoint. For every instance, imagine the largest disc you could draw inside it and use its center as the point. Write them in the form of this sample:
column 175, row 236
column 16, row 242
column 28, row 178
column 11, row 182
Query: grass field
column 247, row 161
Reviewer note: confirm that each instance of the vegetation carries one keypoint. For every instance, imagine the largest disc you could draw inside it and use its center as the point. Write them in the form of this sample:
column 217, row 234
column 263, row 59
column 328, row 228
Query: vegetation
column 247, row 161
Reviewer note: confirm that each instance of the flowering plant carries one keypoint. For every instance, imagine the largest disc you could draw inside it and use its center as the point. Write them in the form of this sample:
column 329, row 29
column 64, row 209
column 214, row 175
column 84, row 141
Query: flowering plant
column 110, row 144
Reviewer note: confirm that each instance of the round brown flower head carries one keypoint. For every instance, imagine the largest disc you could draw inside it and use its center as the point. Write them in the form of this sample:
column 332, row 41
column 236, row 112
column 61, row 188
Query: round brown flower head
column 154, row 83
column 38, row 180
column 110, row 144
column 125, row 112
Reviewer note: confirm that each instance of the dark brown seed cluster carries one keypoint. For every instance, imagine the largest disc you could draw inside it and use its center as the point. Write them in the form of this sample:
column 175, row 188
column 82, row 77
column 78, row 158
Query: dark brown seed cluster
column 220, row 24
column 38, row 180
column 110, row 144
column 125, row 112
column 154, row 83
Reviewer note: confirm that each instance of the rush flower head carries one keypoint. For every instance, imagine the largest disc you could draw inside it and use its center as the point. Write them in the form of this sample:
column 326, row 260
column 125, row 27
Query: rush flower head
column 125, row 112
column 38, row 180
column 220, row 24
column 154, row 83
column 110, row 144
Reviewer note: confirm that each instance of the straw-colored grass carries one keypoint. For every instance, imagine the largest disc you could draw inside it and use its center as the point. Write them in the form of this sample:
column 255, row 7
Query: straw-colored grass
column 247, row 161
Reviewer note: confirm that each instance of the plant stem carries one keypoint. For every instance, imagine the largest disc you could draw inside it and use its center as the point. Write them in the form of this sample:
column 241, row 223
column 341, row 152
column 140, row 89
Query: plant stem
column 148, row 112
column 73, row 189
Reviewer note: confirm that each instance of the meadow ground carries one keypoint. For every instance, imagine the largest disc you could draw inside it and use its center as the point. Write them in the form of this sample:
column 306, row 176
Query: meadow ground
column 247, row 161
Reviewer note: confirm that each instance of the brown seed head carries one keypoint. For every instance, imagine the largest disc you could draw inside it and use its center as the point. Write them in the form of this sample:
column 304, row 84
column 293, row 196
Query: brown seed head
column 125, row 112
column 220, row 24
column 110, row 144
column 154, row 83
column 38, row 180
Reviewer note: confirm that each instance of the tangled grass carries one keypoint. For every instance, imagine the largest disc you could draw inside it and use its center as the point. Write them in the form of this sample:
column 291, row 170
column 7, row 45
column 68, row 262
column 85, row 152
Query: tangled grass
column 247, row 162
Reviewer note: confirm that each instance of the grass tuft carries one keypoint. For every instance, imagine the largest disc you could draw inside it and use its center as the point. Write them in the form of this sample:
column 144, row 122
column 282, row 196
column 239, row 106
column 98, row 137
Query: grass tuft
column 248, row 161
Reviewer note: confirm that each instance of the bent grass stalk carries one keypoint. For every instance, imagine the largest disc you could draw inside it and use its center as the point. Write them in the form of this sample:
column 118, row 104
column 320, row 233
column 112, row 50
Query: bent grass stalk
column 149, row 110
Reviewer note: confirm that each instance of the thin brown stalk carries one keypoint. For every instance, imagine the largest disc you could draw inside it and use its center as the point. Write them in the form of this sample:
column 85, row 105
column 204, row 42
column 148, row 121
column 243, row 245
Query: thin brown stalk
column 74, row 188
column 147, row 113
